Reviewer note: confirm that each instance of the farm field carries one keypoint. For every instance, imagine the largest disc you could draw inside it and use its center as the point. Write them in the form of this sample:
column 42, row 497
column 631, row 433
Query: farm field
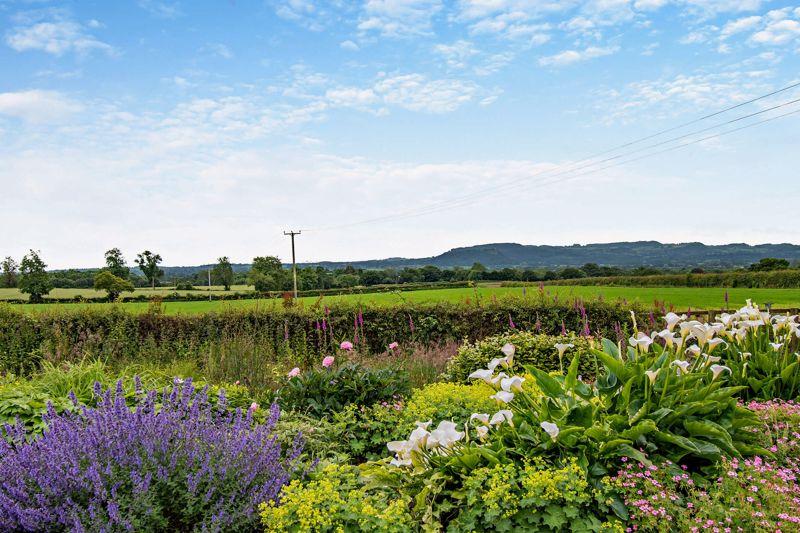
column 14, row 294
column 681, row 298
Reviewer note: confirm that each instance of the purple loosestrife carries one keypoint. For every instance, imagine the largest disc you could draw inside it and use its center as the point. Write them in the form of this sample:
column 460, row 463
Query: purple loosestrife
column 175, row 463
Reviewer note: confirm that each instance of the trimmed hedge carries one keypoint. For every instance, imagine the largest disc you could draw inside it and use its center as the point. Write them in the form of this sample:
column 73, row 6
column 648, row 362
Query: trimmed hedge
column 298, row 333
column 776, row 279
column 531, row 349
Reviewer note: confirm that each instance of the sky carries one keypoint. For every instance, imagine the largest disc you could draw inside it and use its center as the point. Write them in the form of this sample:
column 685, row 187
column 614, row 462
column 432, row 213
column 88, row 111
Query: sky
column 386, row 128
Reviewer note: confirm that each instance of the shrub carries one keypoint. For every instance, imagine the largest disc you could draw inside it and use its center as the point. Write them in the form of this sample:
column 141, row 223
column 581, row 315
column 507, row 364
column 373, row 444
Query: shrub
column 319, row 392
column 364, row 430
column 531, row 496
column 531, row 349
column 445, row 401
column 336, row 499
column 184, row 465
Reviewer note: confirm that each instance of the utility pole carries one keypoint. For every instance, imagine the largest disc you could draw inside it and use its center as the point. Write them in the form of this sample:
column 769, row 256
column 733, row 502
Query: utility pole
column 294, row 263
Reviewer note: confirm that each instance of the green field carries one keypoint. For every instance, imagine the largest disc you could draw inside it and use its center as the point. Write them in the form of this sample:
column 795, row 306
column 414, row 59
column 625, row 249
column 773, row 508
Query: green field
column 13, row 294
column 680, row 297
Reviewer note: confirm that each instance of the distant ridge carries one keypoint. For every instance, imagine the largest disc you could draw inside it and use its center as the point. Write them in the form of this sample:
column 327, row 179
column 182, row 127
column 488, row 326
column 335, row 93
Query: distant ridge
column 513, row 255
column 623, row 254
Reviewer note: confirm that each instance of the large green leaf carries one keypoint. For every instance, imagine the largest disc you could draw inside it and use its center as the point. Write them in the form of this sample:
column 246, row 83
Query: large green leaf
column 547, row 383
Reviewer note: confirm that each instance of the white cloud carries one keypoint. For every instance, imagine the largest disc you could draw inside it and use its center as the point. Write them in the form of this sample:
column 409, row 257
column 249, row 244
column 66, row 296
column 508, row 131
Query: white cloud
column 398, row 18
column 349, row 45
column 351, row 97
column 416, row 93
column 777, row 32
column 167, row 10
column 37, row 106
column 740, row 25
column 457, row 54
column 219, row 50
column 568, row 57
column 56, row 37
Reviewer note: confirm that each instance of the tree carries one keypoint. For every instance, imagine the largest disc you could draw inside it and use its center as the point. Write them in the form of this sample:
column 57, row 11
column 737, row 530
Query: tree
column 9, row 272
column 266, row 274
column 113, row 285
column 115, row 263
column 34, row 279
column 148, row 263
column 769, row 263
column 223, row 273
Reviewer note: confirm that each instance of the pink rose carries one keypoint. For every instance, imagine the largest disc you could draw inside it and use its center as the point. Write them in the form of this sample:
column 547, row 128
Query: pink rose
column 393, row 346
column 328, row 361
column 294, row 372
column 346, row 345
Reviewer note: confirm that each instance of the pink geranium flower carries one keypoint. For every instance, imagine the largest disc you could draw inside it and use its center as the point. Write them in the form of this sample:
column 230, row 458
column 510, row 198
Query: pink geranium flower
column 328, row 361
column 346, row 345
column 393, row 346
column 294, row 372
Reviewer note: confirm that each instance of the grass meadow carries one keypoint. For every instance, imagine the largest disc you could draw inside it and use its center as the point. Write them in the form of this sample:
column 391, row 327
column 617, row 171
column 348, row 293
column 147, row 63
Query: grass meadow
column 681, row 298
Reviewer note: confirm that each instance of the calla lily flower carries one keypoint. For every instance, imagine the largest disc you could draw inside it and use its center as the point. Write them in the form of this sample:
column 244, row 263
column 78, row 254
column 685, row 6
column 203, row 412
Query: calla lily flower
column 480, row 417
column 495, row 381
column 708, row 359
column 484, row 374
column 503, row 415
column 503, row 396
column 551, row 429
column 668, row 336
column 683, row 366
column 494, row 363
column 713, row 343
column 703, row 333
column 716, row 370
column 444, row 435
column 508, row 349
column 672, row 319
column 482, row 431
column 694, row 349
column 563, row 347
column 512, row 384
column 776, row 345
column 652, row 375
column 641, row 341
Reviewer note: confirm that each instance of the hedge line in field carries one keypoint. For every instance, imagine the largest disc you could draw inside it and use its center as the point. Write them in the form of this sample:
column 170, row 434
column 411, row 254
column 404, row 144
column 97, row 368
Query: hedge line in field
column 299, row 332
column 776, row 279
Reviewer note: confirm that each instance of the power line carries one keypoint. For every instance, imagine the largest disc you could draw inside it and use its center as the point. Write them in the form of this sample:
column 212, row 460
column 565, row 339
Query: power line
column 464, row 200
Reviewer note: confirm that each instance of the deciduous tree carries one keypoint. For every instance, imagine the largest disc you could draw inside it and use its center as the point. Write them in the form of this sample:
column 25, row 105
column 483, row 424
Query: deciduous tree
column 148, row 263
column 113, row 285
column 223, row 273
column 34, row 279
column 10, row 268
column 115, row 263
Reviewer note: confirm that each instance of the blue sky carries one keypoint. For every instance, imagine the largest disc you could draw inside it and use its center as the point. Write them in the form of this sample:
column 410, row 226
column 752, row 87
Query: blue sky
column 205, row 128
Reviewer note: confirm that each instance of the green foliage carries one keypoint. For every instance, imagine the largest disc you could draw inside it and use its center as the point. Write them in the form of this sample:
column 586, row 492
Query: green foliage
column 148, row 263
column 113, row 285
column 335, row 498
column 445, row 401
column 267, row 274
column 34, row 279
column 774, row 279
column 769, row 263
column 328, row 390
column 10, row 268
column 115, row 263
column 531, row 496
column 223, row 273
column 363, row 431
column 531, row 349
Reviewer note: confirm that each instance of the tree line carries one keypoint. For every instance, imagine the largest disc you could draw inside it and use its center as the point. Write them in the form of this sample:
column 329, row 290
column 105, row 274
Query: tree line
column 266, row 273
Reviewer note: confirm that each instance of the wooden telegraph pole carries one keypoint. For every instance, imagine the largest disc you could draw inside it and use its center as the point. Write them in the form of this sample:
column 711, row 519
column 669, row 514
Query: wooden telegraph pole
column 294, row 263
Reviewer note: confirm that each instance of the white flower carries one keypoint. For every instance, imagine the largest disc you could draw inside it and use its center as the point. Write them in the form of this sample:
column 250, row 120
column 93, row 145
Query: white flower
column 494, row 362
column 703, row 333
column 726, row 318
column 482, row 431
column 686, row 327
column 480, row 417
column 683, row 366
column 641, row 341
column 503, row 415
column 445, row 435
column 652, row 375
column 668, row 336
column 713, row 343
column 503, row 396
column 508, row 350
column 402, row 450
column 484, row 374
column 694, row 350
column 716, row 370
column 563, row 347
column 498, row 379
column 776, row 345
column 551, row 429
column 512, row 384
column 420, row 436
column 710, row 358
column 671, row 319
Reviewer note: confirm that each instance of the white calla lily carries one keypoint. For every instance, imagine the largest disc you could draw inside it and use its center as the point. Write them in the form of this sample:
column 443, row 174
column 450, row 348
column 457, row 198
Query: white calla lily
column 483, row 418
column 551, row 429
column 503, row 396
column 484, row 374
column 716, row 370
column 503, row 415
column 562, row 347
column 445, row 435
column 672, row 319
column 508, row 349
column 641, row 341
column 512, row 384
column 652, row 375
column 482, row 432
column 683, row 366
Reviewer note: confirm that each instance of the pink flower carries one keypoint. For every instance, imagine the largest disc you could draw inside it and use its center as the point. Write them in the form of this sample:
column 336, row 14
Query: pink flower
column 328, row 361
column 393, row 346
column 253, row 406
column 294, row 372
column 346, row 345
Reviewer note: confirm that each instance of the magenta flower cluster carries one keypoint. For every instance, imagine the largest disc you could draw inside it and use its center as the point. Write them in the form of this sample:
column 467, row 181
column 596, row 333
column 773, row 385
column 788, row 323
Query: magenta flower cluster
column 174, row 463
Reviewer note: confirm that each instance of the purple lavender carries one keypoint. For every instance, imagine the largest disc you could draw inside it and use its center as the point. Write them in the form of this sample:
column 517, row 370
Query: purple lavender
column 175, row 463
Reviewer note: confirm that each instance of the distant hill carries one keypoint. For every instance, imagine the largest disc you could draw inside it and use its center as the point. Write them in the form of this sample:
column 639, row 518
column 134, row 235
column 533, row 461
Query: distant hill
column 621, row 254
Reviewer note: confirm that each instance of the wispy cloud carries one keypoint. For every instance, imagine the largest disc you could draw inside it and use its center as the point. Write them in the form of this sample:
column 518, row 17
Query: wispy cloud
column 398, row 18
column 569, row 57
column 57, row 37
column 38, row 106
